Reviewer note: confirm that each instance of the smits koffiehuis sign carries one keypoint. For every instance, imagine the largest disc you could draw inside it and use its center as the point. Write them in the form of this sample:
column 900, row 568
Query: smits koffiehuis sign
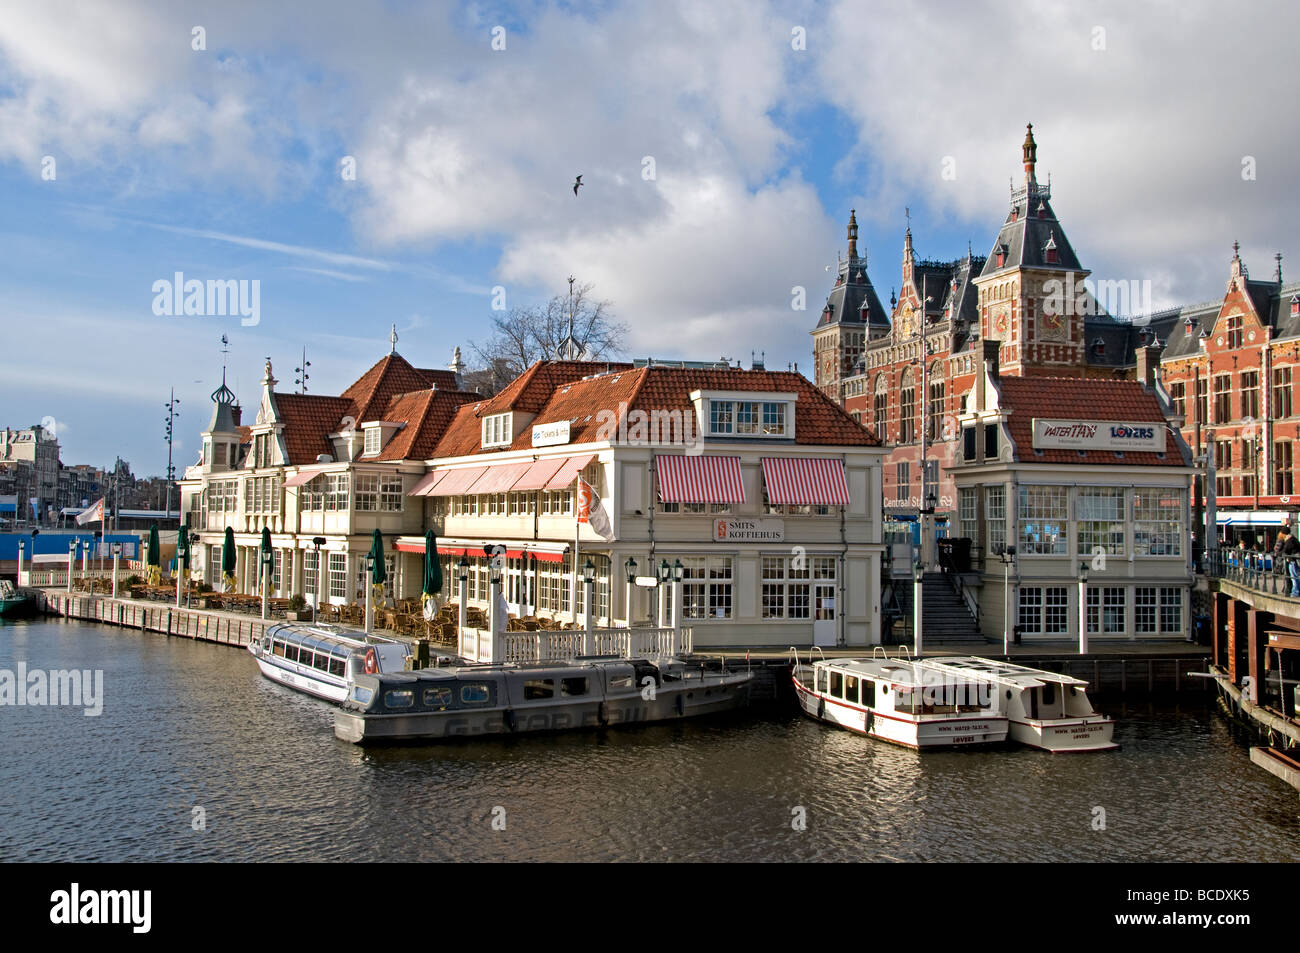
column 1098, row 435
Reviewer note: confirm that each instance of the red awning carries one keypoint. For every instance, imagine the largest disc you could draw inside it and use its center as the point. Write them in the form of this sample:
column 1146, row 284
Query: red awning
column 700, row 479
column 457, row 482
column 429, row 481
column 565, row 476
column 403, row 547
column 537, row 475
column 450, row 551
column 801, row 480
column 501, row 478
column 302, row 477
column 547, row 557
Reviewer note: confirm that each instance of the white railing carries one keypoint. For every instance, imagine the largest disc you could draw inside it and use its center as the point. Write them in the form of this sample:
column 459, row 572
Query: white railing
column 58, row 578
column 544, row 646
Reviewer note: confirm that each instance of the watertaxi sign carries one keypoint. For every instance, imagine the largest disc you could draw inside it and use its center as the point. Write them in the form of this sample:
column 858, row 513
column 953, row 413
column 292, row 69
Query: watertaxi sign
column 551, row 435
column 1098, row 435
column 748, row 531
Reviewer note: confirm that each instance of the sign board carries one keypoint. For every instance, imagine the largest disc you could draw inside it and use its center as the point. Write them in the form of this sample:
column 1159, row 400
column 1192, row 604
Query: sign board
column 731, row 530
column 1144, row 437
column 551, row 435
column 647, row 582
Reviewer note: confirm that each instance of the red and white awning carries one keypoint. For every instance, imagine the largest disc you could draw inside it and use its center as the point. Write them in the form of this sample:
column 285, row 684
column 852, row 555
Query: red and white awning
column 302, row 477
column 565, row 476
column 457, row 482
column 429, row 481
column 501, row 478
column 800, row 480
column 539, row 474
column 541, row 550
column 702, row 479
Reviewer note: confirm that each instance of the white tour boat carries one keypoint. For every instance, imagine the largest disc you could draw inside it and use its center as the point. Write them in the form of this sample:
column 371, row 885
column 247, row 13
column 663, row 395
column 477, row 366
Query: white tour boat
column 324, row 660
column 897, row 700
column 1045, row 710
column 468, row 699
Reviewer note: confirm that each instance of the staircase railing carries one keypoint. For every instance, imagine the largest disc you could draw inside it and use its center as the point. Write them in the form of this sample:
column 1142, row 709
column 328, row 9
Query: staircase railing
column 968, row 598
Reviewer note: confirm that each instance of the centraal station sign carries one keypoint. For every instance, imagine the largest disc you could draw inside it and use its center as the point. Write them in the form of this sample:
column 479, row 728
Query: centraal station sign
column 1098, row 435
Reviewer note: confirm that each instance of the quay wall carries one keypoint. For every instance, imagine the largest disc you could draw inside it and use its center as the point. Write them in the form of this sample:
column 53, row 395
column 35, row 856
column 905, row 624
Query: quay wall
column 200, row 624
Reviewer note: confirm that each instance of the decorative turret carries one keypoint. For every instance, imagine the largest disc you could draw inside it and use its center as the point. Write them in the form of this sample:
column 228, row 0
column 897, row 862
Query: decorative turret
column 853, row 234
column 1030, row 150
column 221, row 439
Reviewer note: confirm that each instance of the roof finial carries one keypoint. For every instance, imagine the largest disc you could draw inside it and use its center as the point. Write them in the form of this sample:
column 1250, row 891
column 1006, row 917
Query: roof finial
column 853, row 233
column 1277, row 275
column 392, row 338
column 1030, row 150
column 1236, row 249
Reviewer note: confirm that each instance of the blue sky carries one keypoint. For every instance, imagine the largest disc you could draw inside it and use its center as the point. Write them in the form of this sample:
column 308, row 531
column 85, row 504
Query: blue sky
column 225, row 163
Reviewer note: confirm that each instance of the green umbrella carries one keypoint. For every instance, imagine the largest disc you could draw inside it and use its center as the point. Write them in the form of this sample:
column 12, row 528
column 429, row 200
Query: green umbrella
column 266, row 546
column 378, row 571
column 228, row 558
column 432, row 568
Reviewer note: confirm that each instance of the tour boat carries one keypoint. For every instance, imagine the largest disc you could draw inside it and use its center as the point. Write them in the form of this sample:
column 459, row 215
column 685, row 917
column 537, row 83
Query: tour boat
column 898, row 701
column 324, row 660
column 466, row 699
column 1044, row 709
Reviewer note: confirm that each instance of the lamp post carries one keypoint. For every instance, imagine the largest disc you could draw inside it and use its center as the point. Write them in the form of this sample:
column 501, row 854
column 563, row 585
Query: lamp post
column 1083, row 609
column 1007, row 554
column 369, row 561
column 630, row 566
column 117, row 554
column 189, row 590
column 22, row 545
column 918, row 604
column 665, row 574
column 85, row 560
column 266, row 556
column 589, row 586
column 495, row 622
column 679, row 573
column 318, row 542
column 72, row 562
column 462, row 590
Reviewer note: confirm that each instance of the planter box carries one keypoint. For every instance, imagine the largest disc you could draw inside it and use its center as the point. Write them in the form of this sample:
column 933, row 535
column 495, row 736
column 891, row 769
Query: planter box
column 299, row 615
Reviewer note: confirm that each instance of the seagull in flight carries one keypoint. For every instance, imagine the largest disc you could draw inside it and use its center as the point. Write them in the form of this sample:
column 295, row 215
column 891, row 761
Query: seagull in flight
column 577, row 184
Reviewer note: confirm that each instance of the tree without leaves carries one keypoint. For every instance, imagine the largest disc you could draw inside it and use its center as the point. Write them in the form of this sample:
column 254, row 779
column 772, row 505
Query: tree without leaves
column 524, row 336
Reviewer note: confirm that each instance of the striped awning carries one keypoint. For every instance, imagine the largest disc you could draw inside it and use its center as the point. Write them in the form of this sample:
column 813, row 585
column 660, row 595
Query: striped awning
column 429, row 481
column 702, row 479
column 565, row 476
column 457, row 482
column 302, row 477
column 800, row 480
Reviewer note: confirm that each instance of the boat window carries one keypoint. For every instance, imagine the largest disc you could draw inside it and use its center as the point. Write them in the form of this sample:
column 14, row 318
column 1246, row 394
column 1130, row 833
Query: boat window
column 475, row 693
column 291, row 653
column 850, row 688
column 322, row 662
column 438, row 698
column 621, row 681
column 337, row 667
column 305, row 657
column 536, row 688
column 821, row 680
column 362, row 696
column 1049, row 694
column 868, row 693
column 573, row 686
column 279, row 649
column 266, row 644
column 903, row 701
column 837, row 684
column 396, row 699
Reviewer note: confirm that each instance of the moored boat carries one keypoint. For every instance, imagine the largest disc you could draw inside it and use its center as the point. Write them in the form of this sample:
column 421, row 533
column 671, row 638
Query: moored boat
column 324, row 660
column 15, row 602
column 1044, row 709
column 476, row 700
column 898, row 701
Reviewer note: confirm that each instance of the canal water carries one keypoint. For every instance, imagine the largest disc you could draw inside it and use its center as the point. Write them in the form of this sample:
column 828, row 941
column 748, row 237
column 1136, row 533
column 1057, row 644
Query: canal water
column 197, row 757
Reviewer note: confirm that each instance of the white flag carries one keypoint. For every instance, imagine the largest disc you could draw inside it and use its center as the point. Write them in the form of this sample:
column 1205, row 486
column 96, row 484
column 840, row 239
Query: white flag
column 96, row 512
column 591, row 511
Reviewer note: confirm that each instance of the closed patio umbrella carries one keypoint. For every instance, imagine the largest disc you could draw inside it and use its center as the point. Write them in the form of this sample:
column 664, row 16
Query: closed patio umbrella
column 432, row 574
column 153, row 557
column 228, row 559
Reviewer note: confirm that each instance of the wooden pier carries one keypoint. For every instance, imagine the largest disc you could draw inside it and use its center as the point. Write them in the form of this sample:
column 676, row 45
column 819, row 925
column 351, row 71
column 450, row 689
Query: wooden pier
column 203, row 625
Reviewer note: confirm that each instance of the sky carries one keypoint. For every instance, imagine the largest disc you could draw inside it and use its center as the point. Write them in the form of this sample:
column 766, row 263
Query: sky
column 374, row 164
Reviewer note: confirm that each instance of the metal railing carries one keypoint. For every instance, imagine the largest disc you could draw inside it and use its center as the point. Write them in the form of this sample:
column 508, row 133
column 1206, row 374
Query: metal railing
column 1264, row 572
column 969, row 599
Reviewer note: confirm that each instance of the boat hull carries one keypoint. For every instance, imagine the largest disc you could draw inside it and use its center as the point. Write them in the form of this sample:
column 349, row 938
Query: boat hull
column 17, row 607
column 669, row 704
column 1066, row 734
column 921, row 733
column 297, row 677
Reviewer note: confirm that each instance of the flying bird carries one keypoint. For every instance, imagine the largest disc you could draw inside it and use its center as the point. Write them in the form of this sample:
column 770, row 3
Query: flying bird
column 577, row 184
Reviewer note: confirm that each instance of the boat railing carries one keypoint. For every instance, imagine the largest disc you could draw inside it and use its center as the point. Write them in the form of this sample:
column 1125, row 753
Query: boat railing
column 566, row 644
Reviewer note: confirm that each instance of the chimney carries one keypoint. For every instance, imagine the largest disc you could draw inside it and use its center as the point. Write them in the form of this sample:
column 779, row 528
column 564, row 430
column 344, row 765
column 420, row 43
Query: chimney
column 1148, row 362
column 988, row 369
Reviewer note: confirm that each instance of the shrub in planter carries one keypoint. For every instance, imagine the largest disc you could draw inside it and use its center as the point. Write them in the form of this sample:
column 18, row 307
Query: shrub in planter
column 133, row 580
column 297, row 602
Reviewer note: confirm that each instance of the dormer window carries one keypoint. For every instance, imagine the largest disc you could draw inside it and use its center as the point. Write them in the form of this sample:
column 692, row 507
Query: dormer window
column 497, row 430
column 749, row 418
column 1295, row 306
column 1042, row 209
column 1001, row 256
column 1049, row 251
column 373, row 441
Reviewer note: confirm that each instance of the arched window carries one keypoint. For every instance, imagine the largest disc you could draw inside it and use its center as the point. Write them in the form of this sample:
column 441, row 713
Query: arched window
column 935, row 412
column 907, row 408
column 880, row 408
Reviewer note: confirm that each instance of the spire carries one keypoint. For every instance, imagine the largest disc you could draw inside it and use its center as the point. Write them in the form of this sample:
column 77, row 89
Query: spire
column 853, row 234
column 1277, row 275
column 1030, row 150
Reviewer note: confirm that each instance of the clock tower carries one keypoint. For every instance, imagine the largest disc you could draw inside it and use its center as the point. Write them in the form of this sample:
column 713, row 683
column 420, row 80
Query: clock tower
column 851, row 316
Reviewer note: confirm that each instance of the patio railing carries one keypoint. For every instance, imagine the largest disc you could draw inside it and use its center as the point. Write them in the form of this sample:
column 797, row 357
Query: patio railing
column 1263, row 572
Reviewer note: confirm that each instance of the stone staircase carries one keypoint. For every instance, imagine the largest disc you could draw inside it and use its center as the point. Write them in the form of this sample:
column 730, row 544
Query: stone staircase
column 945, row 619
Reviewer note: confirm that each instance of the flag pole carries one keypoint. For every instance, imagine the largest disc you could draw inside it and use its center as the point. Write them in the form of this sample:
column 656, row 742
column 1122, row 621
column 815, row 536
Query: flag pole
column 577, row 533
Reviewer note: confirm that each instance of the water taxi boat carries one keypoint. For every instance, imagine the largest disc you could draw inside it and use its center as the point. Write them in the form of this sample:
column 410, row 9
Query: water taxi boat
column 1044, row 709
column 469, row 699
column 15, row 602
column 899, row 701
column 324, row 660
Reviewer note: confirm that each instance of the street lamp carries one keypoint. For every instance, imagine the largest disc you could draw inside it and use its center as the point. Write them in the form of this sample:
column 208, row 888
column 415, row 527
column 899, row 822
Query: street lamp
column 589, row 585
column 630, row 567
column 189, row 589
column 318, row 542
column 72, row 562
column 1007, row 555
column 918, row 605
column 1083, row 609
column 117, row 554
column 22, row 545
column 462, row 588
column 267, row 558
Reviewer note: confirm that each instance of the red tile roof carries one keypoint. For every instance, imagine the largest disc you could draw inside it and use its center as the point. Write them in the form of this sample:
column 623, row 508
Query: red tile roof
column 426, row 414
column 818, row 420
column 1060, row 398
column 308, row 421
column 391, row 376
